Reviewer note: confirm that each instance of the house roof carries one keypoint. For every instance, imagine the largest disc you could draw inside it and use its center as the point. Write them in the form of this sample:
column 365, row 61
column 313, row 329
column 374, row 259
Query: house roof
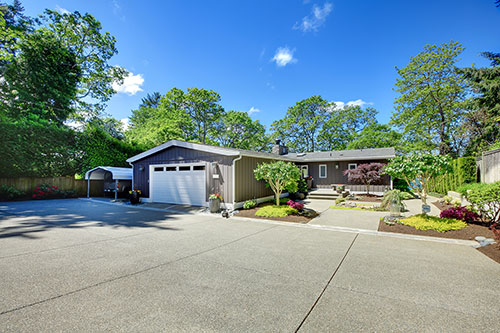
column 338, row 155
column 116, row 173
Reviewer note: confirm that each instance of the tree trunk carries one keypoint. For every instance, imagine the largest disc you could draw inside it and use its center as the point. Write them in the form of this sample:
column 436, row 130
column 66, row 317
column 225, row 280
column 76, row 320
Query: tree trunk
column 278, row 195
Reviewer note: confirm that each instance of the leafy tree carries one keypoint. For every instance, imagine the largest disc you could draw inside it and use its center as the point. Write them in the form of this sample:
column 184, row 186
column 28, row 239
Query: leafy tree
column 483, row 124
column 99, row 148
column 418, row 170
column 92, row 48
column 302, row 123
column 110, row 125
column 41, row 81
column 430, row 108
column 238, row 130
column 13, row 25
column 150, row 126
column 204, row 110
column 343, row 125
column 366, row 174
column 280, row 176
column 151, row 100
column 375, row 135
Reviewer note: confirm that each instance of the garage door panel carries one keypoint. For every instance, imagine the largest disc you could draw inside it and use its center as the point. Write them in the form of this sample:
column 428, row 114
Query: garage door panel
column 179, row 187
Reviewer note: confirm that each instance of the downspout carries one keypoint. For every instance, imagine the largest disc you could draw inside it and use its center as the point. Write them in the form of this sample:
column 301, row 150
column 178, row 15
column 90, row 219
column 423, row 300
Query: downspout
column 234, row 179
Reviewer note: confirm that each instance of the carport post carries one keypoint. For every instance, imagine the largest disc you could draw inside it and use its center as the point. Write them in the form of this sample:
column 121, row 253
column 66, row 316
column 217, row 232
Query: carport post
column 88, row 187
column 116, row 189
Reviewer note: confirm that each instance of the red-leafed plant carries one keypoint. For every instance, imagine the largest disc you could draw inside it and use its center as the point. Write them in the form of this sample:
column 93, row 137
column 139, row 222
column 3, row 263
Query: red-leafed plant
column 296, row 205
column 459, row 213
column 366, row 174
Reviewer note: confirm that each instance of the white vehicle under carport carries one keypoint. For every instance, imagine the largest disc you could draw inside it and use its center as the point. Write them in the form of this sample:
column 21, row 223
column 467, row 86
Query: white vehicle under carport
column 115, row 180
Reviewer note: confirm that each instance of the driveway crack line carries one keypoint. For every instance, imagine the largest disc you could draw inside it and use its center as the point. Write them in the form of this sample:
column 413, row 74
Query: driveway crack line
column 132, row 274
column 327, row 284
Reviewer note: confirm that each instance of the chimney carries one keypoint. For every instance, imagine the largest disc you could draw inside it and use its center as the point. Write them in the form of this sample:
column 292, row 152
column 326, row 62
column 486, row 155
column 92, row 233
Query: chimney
column 279, row 149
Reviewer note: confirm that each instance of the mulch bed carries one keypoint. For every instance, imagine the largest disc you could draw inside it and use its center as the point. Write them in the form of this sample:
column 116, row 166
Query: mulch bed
column 289, row 218
column 368, row 197
column 467, row 233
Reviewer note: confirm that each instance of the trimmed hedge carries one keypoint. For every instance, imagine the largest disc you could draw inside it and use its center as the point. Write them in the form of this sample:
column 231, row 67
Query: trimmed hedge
column 463, row 172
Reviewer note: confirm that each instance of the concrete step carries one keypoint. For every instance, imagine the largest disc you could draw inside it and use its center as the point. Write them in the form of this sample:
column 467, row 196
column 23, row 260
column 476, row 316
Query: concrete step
column 322, row 197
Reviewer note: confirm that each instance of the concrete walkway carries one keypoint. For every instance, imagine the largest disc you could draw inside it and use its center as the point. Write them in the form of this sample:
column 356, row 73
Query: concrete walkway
column 75, row 265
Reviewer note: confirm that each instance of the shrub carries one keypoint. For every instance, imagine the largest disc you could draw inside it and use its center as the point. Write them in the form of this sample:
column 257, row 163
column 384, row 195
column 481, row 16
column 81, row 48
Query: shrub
column 340, row 200
column 390, row 197
column 275, row 211
column 295, row 205
column 486, row 199
column 459, row 213
column 406, row 195
column 400, row 184
column 46, row 191
column 249, row 204
column 447, row 199
column 302, row 186
column 463, row 171
column 428, row 222
column 463, row 189
column 10, row 193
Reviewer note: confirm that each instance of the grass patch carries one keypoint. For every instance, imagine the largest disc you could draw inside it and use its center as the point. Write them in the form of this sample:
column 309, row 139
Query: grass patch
column 427, row 222
column 275, row 211
column 360, row 207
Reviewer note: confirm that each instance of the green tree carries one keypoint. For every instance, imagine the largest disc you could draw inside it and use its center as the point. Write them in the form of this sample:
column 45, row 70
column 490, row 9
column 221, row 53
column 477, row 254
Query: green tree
column 238, row 130
column 418, row 170
column 110, row 125
column 204, row 110
column 483, row 124
column 280, row 176
column 93, row 49
column 13, row 25
column 376, row 135
column 302, row 123
column 151, row 100
column 343, row 125
column 41, row 81
column 430, row 108
column 151, row 126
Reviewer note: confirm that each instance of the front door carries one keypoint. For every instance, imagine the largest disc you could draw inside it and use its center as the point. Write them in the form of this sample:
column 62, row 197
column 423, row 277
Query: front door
column 304, row 169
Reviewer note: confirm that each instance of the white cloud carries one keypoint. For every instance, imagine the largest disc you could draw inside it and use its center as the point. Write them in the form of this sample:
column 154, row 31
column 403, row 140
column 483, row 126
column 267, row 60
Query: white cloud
column 131, row 84
column 284, row 56
column 62, row 10
column 316, row 19
column 359, row 102
column 252, row 111
column 125, row 123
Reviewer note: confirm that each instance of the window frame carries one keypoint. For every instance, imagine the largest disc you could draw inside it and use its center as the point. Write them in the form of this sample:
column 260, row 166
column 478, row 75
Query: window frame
column 326, row 171
column 349, row 166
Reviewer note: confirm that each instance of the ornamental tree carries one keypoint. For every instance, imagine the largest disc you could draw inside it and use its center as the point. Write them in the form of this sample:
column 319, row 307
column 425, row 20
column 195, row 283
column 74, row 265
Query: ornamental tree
column 366, row 174
column 417, row 170
column 279, row 176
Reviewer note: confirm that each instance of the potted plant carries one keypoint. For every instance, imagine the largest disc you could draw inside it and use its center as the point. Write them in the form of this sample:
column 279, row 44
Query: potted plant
column 340, row 189
column 135, row 196
column 309, row 182
column 214, row 202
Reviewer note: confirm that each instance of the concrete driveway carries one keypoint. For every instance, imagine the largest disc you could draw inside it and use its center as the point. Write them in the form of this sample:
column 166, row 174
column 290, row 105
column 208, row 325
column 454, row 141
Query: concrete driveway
column 87, row 266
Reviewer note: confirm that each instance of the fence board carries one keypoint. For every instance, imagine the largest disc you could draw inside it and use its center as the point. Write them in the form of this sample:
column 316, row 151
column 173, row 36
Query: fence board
column 490, row 166
column 28, row 184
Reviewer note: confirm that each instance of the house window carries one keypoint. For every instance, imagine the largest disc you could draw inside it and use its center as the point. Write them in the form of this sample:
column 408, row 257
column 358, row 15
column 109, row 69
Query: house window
column 171, row 168
column 322, row 171
column 184, row 168
column 198, row 167
column 304, row 169
column 352, row 166
column 158, row 169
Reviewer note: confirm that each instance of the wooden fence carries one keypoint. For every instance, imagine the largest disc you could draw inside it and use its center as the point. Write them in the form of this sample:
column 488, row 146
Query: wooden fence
column 489, row 166
column 28, row 184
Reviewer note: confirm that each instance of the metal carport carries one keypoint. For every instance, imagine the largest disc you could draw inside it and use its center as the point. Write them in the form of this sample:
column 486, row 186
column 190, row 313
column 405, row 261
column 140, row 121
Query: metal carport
column 99, row 172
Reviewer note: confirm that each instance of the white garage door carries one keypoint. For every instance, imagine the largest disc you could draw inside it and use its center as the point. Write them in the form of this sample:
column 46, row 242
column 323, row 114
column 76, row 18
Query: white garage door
column 178, row 184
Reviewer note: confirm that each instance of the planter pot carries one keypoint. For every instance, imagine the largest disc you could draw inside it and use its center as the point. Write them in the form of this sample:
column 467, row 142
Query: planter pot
column 214, row 205
column 309, row 184
column 134, row 198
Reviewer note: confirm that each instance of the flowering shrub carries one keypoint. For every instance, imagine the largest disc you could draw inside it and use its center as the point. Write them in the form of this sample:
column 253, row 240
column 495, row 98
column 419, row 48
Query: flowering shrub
column 46, row 191
column 459, row 213
column 295, row 205
column 214, row 196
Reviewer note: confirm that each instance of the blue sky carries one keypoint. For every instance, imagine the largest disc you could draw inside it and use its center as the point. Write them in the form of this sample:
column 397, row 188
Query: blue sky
column 266, row 55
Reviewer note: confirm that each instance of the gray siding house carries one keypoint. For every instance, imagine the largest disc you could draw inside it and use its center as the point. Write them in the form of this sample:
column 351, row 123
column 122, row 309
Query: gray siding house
column 182, row 172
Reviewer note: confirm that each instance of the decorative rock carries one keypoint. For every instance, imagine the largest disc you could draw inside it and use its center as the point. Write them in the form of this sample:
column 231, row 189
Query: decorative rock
column 476, row 246
column 480, row 238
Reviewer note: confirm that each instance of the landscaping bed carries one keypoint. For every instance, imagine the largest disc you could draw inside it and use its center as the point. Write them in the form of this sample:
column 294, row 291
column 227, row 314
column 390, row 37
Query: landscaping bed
column 294, row 218
column 368, row 197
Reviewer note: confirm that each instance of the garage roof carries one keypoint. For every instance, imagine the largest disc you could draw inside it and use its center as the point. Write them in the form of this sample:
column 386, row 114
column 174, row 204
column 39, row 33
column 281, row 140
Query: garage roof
column 116, row 173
